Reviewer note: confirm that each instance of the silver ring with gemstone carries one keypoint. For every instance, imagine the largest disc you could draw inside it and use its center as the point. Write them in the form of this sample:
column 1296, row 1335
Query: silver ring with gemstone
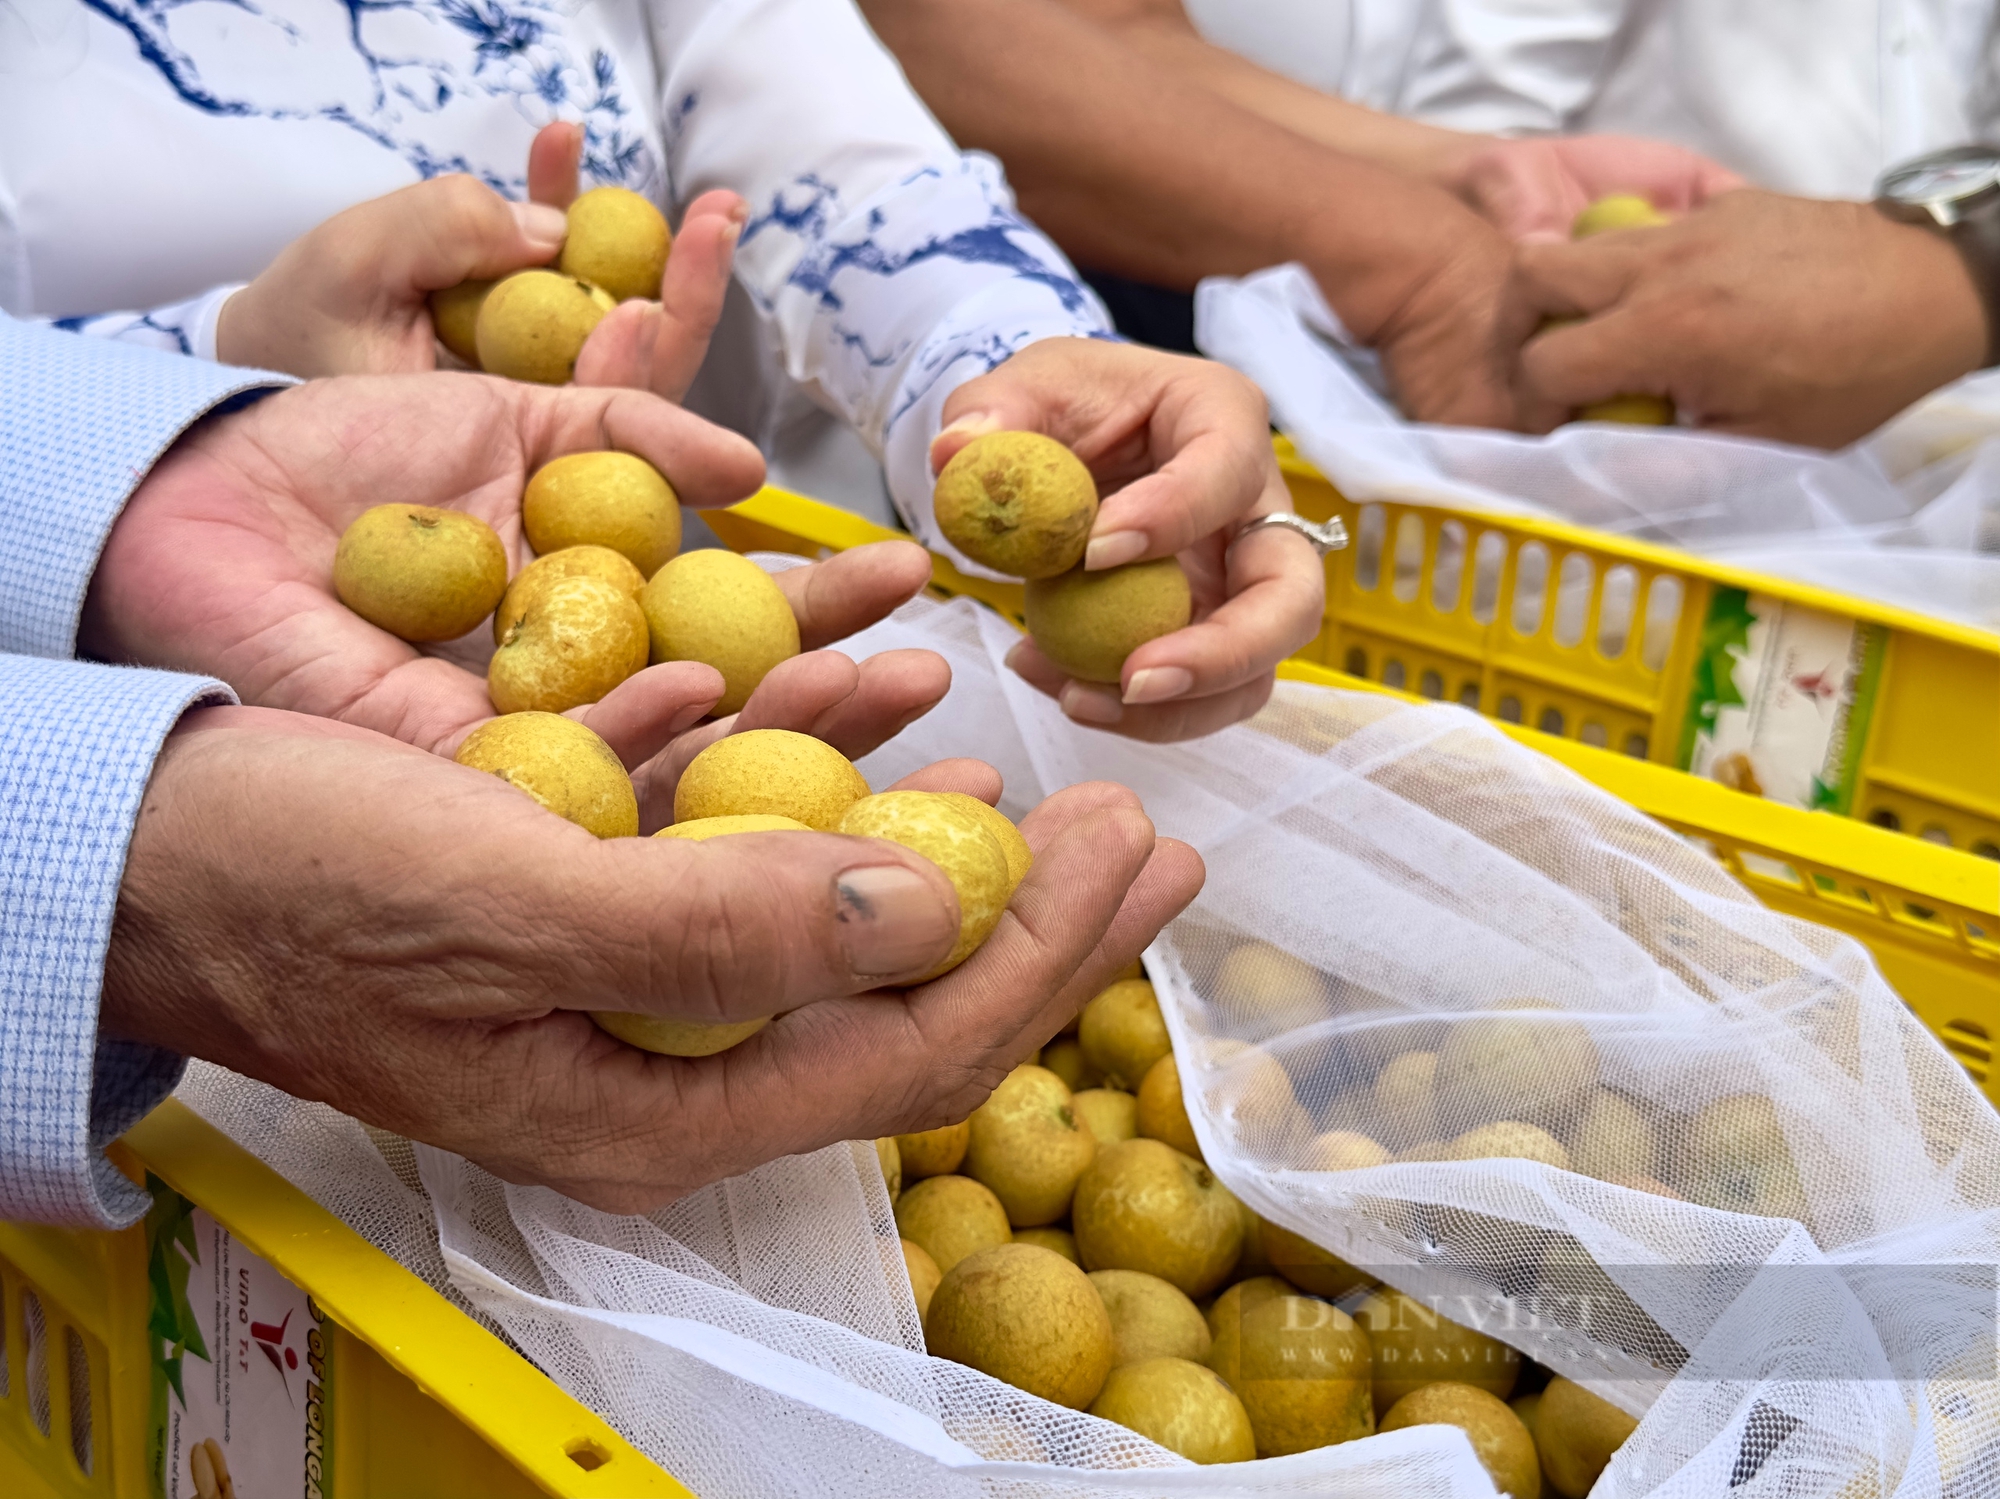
column 1326, row 536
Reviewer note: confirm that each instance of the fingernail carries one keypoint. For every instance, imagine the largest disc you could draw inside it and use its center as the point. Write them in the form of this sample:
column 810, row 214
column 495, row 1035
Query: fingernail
column 1089, row 704
column 542, row 226
column 1114, row 549
column 1155, row 684
column 891, row 920
column 972, row 424
column 1013, row 658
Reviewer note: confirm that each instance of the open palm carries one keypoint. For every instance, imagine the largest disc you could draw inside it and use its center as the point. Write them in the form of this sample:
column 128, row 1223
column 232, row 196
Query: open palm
column 222, row 562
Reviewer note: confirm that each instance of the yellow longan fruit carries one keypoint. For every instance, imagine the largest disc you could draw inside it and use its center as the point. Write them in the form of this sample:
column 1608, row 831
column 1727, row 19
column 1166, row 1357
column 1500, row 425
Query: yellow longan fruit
column 1145, row 1206
column 724, row 611
column 1578, row 1434
column 617, row 240
column 958, row 844
column 418, row 572
column 890, row 1159
column 574, row 640
column 1025, row 1316
column 934, row 1152
column 1056, row 1240
column 1017, row 502
column 1162, row 1112
column 951, row 1217
column 1028, row 1147
column 1180, row 1405
column 455, row 318
column 1503, row 1444
column 1087, row 623
column 562, row 765
column 1415, row 1345
column 596, row 562
column 1064, row 1057
column 770, row 772
column 1300, row 1366
column 1123, row 1033
column 532, row 325
column 1111, row 1115
column 1020, row 858
column 924, row 1275
column 604, row 499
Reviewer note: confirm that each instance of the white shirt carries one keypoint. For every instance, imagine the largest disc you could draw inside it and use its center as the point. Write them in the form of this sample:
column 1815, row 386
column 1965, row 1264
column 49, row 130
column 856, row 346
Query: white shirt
column 157, row 155
column 1804, row 96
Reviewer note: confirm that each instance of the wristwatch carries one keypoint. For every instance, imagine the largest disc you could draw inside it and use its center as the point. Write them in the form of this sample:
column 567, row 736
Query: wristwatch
column 1956, row 193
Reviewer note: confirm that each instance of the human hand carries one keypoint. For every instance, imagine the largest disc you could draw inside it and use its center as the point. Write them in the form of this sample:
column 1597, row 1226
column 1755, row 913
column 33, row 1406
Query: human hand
column 1181, row 451
column 416, row 944
column 1533, row 187
column 1805, row 321
column 351, row 296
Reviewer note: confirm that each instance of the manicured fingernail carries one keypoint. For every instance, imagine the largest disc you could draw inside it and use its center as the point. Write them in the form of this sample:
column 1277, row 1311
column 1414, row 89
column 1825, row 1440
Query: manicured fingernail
column 1089, row 704
column 542, row 226
column 1113, row 549
column 892, row 920
column 1155, row 684
column 972, row 424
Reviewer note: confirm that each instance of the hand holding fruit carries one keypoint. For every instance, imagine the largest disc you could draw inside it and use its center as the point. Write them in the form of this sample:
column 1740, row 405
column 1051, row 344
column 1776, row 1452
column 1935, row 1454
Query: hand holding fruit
column 1533, row 187
column 1180, row 452
column 374, row 288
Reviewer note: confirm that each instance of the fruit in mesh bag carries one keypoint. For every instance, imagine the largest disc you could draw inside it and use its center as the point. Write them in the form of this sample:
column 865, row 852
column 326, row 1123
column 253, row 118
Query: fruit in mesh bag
column 1503, row 1444
column 1087, row 623
column 695, row 1038
column 1300, row 1365
column 1017, row 502
column 1254, row 1093
column 1577, row 1433
column 572, row 641
column 951, row 1217
column 1264, row 987
column 532, row 325
column 1344, row 1150
column 1028, row 1147
column 614, row 500
column 924, row 1275
column 934, row 1152
column 1735, row 1157
column 1308, row 1266
column 1507, row 1139
column 769, row 772
column 1522, row 1060
column 1111, row 1115
column 1149, row 1318
column 617, row 240
column 1145, row 1206
column 560, row 764
column 724, row 611
column 1416, row 1345
column 1403, row 1099
column 1025, row 1316
column 420, row 573
column 959, row 844
column 1182, row 1406
column 1163, row 1113
column 1122, row 1033
column 1614, row 1142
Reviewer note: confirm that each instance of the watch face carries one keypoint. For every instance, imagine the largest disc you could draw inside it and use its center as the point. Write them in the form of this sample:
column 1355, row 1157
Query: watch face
column 1946, row 177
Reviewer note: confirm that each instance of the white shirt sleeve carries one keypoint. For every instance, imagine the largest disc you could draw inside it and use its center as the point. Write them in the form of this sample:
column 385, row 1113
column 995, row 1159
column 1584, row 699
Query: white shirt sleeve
column 888, row 266
column 177, row 328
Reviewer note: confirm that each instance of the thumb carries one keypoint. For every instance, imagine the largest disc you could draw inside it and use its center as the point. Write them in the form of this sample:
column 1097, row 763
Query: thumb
column 998, row 401
column 451, row 229
column 754, row 924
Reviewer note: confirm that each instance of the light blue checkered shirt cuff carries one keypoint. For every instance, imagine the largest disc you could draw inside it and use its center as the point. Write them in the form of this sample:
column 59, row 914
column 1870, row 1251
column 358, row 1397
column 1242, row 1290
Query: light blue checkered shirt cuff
column 77, row 745
column 82, row 420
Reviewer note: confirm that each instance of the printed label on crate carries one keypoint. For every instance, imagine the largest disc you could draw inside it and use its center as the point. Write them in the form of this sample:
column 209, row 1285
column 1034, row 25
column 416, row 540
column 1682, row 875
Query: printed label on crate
column 241, row 1366
column 1780, row 700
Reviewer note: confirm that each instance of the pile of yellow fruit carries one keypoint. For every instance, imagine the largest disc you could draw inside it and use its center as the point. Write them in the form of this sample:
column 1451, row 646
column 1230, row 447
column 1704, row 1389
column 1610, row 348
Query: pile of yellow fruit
column 1023, row 504
column 1069, row 1240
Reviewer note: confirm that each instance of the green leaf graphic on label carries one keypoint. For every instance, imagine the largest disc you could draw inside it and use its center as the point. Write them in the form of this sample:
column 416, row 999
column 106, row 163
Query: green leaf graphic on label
column 170, row 1319
column 1725, row 640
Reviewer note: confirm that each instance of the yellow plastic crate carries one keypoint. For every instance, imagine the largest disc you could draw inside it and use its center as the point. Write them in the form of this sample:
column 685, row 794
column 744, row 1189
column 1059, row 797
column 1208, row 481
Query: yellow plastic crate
column 1929, row 913
column 427, row 1403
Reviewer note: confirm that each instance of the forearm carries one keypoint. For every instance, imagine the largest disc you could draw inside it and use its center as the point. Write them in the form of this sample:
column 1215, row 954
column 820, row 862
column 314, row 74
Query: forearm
column 1163, row 34
column 1102, row 144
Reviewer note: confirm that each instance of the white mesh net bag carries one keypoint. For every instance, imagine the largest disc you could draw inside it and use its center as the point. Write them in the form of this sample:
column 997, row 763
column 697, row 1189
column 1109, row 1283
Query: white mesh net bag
column 1656, row 1136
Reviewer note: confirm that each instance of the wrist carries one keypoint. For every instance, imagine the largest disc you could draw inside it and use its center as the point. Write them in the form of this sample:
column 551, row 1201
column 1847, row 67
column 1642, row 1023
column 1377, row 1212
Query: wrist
column 1959, row 289
column 1372, row 265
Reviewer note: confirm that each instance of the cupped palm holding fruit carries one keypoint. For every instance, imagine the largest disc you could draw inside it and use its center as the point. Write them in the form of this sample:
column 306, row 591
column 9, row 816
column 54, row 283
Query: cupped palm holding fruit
column 724, row 611
column 1087, row 623
column 1017, row 502
column 421, row 573
column 1027, row 1316
column 604, row 499
column 615, row 248
column 562, row 765
column 693, row 1038
column 959, row 844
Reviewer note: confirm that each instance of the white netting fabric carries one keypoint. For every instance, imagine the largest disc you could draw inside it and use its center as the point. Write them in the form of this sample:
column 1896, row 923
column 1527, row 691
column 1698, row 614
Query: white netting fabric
column 1384, row 882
